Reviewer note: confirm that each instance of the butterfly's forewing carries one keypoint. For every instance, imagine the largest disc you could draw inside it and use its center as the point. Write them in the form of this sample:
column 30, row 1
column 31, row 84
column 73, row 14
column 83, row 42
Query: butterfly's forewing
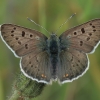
column 84, row 37
column 75, row 43
column 22, row 40
column 30, row 45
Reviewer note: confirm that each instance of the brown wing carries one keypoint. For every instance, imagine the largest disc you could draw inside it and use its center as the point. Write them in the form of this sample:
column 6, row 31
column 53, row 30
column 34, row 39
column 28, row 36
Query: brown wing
column 73, row 64
column 38, row 66
column 74, row 44
column 30, row 45
column 22, row 40
column 84, row 37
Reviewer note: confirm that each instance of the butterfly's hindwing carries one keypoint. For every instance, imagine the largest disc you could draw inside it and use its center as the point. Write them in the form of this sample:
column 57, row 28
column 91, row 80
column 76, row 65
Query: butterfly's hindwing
column 38, row 66
column 73, row 63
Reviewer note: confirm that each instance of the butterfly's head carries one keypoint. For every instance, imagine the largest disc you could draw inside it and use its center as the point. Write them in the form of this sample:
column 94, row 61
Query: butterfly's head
column 53, row 37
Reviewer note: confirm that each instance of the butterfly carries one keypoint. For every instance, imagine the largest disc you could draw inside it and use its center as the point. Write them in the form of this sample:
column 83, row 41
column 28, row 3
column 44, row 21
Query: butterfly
column 61, row 59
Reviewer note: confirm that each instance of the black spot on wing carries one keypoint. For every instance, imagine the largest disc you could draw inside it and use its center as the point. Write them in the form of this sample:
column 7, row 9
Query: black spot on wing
column 23, row 33
column 82, row 30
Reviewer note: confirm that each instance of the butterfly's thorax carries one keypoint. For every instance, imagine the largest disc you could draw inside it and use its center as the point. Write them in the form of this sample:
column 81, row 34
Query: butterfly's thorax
column 53, row 49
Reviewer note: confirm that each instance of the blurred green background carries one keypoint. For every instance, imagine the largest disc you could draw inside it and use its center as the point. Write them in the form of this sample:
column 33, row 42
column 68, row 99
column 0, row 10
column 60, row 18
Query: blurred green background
column 50, row 14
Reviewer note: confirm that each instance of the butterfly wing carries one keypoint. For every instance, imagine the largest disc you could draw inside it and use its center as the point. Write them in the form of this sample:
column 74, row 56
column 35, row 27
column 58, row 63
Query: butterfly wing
column 22, row 40
column 37, row 66
column 75, row 43
column 73, row 64
column 29, row 45
column 84, row 37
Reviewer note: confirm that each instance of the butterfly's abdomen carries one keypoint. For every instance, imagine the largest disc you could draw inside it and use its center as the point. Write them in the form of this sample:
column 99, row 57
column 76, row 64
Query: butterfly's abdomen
column 54, row 56
column 53, row 50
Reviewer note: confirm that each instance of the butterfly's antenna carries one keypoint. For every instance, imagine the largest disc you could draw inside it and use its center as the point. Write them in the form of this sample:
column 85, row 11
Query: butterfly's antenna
column 37, row 24
column 65, row 22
